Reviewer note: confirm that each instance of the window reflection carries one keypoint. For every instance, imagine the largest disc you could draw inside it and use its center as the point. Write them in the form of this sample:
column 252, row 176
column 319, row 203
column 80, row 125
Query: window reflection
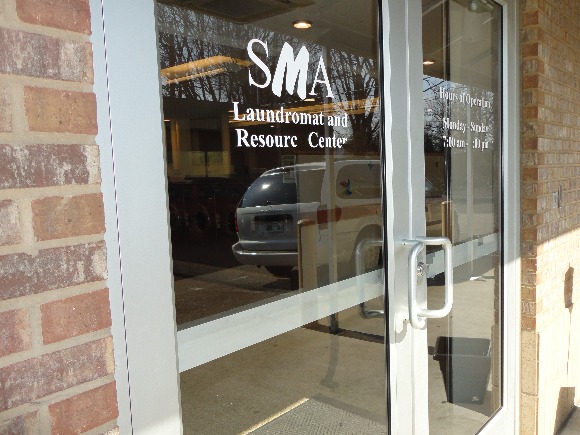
column 267, row 127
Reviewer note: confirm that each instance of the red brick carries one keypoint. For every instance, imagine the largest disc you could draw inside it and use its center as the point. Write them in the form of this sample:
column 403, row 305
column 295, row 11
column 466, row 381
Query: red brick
column 58, row 217
column 85, row 411
column 528, row 308
column 529, row 249
column 22, row 274
column 529, row 34
column 528, row 293
column 532, row 66
column 22, row 424
column 530, row 49
column 35, row 378
column 52, row 110
column 75, row 316
column 530, row 143
column 45, row 165
column 532, row 127
column 10, row 223
column 530, row 82
column 529, row 190
column 530, row 174
column 529, row 323
column 5, row 109
column 34, row 55
column 71, row 15
column 530, row 112
column 529, row 18
column 14, row 332
column 530, row 235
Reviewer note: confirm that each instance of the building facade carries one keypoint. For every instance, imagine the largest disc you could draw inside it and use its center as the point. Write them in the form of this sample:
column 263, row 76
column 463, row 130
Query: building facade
column 129, row 136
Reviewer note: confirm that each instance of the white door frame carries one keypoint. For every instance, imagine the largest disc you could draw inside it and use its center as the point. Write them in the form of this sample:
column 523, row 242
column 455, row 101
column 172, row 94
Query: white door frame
column 134, row 191
column 403, row 107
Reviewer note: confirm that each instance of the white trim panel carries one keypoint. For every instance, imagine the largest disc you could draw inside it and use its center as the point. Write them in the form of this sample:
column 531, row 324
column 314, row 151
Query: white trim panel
column 216, row 338
column 463, row 253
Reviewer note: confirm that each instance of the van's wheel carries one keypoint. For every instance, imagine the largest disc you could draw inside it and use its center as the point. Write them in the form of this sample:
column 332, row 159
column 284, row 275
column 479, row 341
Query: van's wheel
column 176, row 221
column 198, row 222
column 282, row 271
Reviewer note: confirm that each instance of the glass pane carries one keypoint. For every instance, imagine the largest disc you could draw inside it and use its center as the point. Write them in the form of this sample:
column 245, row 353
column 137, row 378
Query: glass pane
column 303, row 381
column 462, row 101
column 274, row 181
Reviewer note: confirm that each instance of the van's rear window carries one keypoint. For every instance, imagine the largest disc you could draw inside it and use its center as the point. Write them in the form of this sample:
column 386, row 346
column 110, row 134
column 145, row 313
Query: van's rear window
column 280, row 188
column 270, row 190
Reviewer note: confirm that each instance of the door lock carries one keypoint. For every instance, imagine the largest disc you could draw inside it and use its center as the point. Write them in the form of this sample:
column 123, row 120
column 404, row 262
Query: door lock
column 422, row 269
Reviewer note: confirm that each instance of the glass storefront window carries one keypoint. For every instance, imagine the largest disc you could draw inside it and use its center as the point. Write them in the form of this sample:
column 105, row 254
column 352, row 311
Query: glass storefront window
column 272, row 136
column 268, row 125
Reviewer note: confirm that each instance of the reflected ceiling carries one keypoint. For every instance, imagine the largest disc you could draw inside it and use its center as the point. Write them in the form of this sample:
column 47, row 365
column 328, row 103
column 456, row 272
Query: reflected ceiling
column 460, row 30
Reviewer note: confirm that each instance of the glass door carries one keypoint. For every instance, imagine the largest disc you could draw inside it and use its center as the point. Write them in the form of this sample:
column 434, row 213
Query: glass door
column 273, row 150
column 447, row 234
column 462, row 95
column 303, row 244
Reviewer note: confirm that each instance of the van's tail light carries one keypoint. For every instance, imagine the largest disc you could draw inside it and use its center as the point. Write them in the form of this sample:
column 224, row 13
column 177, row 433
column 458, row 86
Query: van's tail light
column 236, row 221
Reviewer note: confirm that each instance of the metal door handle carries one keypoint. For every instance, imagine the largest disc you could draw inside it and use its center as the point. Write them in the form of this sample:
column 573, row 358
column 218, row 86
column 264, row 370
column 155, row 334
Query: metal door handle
column 417, row 315
column 360, row 249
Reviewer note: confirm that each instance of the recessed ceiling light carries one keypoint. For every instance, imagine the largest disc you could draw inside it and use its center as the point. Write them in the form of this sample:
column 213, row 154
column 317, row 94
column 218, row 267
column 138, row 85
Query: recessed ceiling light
column 428, row 62
column 302, row 24
column 309, row 100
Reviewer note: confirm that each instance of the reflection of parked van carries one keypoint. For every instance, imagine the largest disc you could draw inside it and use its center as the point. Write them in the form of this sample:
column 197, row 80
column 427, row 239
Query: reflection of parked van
column 268, row 214
column 344, row 199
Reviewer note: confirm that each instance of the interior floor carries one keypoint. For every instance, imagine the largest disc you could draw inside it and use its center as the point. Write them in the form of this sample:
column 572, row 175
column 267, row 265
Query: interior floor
column 309, row 380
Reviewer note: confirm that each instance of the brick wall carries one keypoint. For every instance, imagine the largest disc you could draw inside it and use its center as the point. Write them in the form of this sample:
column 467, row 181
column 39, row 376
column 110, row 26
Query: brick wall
column 550, row 234
column 56, row 359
